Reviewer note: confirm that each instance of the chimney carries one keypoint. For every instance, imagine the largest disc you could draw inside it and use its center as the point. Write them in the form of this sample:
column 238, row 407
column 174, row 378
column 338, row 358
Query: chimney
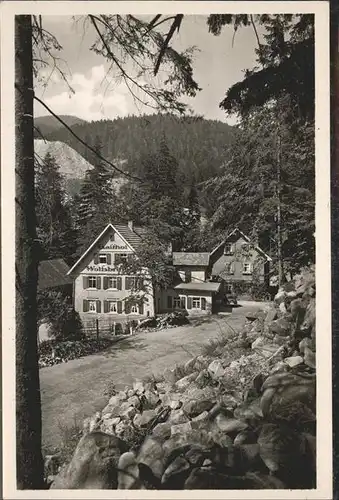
column 130, row 225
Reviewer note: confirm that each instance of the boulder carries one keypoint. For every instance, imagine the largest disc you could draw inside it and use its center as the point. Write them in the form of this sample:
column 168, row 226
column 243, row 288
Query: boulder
column 256, row 314
column 309, row 357
column 152, row 398
column 151, row 454
column 133, row 401
column 128, row 472
column 181, row 429
column 293, row 361
column 170, row 375
column 138, row 387
column 145, row 418
column 189, row 366
column 215, row 369
column 195, row 407
column 177, row 417
column 271, row 315
column 108, row 424
column 130, row 393
column 162, row 431
column 195, row 456
column 184, row 382
column 93, row 465
column 281, row 326
column 128, row 413
column 305, row 342
column 175, row 404
column 175, row 474
column 226, row 424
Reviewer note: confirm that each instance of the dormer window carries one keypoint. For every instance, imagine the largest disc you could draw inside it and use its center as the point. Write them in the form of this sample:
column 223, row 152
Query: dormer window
column 228, row 249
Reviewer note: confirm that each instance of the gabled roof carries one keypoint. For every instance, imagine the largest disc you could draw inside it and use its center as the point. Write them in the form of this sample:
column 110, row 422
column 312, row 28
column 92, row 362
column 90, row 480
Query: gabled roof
column 246, row 238
column 130, row 237
column 191, row 258
column 53, row 273
column 207, row 286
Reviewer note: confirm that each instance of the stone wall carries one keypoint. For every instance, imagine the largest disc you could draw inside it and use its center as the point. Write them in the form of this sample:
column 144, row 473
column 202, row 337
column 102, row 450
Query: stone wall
column 241, row 417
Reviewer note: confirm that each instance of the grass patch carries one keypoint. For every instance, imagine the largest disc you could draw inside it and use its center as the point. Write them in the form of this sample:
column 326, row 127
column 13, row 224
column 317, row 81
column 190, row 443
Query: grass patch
column 70, row 436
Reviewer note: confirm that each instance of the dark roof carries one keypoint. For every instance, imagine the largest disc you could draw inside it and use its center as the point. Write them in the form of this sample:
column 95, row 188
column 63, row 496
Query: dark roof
column 191, row 258
column 246, row 238
column 53, row 273
column 133, row 237
column 207, row 286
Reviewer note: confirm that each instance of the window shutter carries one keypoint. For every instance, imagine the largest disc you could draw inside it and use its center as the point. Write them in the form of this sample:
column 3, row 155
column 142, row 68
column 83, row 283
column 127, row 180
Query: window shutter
column 169, row 302
column 119, row 283
column 203, row 303
column 119, row 306
column 98, row 282
column 85, row 282
column 183, row 303
column 141, row 308
column 127, row 308
column 105, row 306
column 127, row 283
column 105, row 282
column 140, row 283
column 109, row 259
column 189, row 302
column 85, row 306
column 98, row 306
column 96, row 258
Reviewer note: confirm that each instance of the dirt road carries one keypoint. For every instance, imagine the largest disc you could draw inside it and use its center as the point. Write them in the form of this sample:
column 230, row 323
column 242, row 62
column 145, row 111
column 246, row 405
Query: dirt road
column 74, row 390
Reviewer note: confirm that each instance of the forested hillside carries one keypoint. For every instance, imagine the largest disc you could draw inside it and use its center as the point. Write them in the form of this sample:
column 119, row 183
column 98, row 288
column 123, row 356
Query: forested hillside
column 47, row 124
column 198, row 144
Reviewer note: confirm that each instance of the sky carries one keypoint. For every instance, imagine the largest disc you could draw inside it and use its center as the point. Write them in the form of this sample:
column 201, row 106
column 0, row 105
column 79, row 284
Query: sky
column 218, row 63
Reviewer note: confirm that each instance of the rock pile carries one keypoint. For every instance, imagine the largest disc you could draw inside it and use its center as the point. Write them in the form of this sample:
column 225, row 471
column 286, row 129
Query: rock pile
column 242, row 418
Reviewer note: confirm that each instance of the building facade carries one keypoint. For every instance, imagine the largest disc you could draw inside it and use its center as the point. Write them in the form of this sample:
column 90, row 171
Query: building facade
column 240, row 263
column 102, row 287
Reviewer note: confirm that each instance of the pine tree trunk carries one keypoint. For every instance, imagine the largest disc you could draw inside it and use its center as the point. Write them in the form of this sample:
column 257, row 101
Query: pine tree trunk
column 279, row 240
column 28, row 404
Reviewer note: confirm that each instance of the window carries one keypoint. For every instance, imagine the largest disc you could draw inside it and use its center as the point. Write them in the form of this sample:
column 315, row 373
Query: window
column 229, row 268
column 112, row 282
column 103, row 258
column 177, row 303
column 245, row 247
column 121, row 258
column 112, row 306
column 229, row 288
column 228, row 248
column 247, row 268
column 92, row 282
column 92, row 306
column 196, row 303
column 134, row 309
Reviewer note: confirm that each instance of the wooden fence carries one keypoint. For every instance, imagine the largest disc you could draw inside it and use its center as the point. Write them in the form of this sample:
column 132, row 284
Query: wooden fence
column 100, row 328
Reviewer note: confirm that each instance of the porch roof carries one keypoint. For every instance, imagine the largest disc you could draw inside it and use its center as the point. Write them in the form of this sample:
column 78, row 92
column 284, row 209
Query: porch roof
column 206, row 286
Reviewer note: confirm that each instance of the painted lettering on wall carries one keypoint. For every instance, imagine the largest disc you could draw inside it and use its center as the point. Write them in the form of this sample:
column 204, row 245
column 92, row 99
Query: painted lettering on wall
column 114, row 246
column 102, row 268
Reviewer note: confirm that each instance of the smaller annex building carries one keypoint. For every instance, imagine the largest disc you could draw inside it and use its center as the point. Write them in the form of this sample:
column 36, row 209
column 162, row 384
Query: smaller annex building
column 101, row 285
column 192, row 290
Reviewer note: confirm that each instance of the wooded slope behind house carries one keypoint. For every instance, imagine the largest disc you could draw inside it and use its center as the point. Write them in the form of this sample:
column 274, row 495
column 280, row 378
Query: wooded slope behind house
column 197, row 144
